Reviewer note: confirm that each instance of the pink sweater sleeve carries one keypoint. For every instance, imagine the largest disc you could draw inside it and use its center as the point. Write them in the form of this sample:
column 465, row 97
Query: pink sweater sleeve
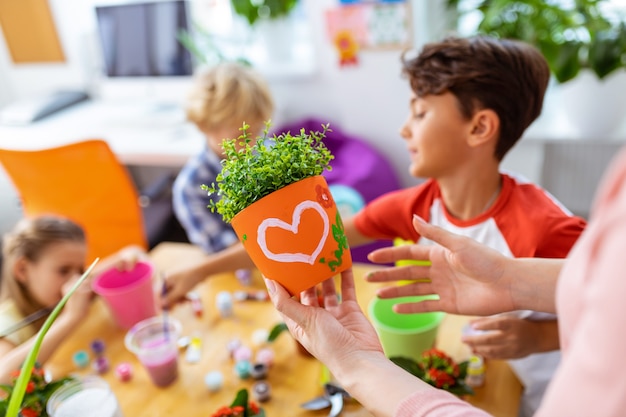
column 437, row 403
column 591, row 296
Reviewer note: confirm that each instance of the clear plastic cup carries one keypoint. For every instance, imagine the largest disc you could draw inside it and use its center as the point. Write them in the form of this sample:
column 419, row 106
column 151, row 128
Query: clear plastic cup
column 154, row 342
column 87, row 396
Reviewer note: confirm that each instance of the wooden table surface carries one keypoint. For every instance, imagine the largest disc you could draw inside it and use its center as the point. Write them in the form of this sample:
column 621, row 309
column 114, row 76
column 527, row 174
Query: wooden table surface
column 294, row 378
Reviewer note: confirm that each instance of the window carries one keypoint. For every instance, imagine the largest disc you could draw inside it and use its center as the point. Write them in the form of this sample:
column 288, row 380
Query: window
column 277, row 47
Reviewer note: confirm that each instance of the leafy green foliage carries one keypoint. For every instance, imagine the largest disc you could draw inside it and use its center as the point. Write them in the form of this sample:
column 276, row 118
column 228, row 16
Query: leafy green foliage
column 571, row 35
column 38, row 392
column 252, row 10
column 204, row 47
column 21, row 384
column 439, row 370
column 276, row 331
column 255, row 168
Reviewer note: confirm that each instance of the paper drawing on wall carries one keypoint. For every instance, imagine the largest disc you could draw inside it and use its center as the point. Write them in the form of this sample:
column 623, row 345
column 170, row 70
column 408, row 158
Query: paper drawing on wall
column 293, row 228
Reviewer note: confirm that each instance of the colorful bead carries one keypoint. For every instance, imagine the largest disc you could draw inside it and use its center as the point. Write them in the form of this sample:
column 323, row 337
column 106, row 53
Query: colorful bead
column 124, row 371
column 214, row 381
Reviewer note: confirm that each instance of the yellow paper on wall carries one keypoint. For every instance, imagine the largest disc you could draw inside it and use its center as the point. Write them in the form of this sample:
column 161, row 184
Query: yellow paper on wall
column 29, row 31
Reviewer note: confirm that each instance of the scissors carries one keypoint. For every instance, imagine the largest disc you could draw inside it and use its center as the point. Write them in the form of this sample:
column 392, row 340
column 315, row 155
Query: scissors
column 333, row 397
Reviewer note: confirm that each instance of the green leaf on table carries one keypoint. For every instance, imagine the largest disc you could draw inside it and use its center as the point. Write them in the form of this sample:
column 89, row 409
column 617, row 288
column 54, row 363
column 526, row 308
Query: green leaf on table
column 276, row 331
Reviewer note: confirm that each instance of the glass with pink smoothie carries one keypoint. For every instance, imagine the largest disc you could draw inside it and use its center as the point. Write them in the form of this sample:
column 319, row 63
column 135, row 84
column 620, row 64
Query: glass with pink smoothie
column 154, row 341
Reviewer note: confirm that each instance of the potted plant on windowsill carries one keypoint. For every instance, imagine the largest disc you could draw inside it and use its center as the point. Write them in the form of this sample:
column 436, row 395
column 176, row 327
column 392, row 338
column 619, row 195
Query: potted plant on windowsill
column 272, row 192
column 584, row 43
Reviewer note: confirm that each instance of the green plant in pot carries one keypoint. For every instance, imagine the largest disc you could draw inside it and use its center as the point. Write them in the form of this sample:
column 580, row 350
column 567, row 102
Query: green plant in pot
column 272, row 191
column 571, row 35
column 253, row 10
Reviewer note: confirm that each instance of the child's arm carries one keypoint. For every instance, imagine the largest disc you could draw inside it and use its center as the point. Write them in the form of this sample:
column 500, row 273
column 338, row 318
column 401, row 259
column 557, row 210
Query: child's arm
column 509, row 337
column 12, row 356
column 180, row 282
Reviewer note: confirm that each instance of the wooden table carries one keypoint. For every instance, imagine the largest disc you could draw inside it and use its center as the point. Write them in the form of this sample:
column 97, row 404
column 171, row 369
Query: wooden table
column 294, row 378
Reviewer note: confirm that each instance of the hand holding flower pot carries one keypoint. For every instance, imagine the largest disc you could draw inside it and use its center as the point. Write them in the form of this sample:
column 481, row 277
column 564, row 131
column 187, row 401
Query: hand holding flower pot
column 281, row 208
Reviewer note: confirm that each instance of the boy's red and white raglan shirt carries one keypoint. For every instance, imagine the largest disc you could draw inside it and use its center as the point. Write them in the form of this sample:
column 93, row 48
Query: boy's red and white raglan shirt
column 524, row 221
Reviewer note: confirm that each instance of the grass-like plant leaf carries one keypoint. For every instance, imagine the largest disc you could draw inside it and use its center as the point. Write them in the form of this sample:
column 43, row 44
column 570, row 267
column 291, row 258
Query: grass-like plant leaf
column 20, row 385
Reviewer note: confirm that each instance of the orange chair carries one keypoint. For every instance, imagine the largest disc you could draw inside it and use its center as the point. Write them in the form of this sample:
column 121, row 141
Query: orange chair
column 85, row 182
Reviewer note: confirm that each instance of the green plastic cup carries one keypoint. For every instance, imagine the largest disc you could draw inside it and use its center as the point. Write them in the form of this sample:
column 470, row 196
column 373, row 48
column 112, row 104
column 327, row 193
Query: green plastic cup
column 406, row 335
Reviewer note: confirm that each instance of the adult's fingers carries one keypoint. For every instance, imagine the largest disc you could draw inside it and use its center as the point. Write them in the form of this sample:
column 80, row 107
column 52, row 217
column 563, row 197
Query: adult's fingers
column 288, row 307
column 419, row 288
column 403, row 273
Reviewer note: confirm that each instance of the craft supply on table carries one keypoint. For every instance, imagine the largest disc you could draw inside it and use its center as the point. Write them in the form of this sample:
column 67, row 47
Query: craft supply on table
column 81, row 359
column 101, row 365
column 475, row 371
column 259, row 295
column 196, row 303
column 214, row 381
column 259, row 371
column 242, row 353
column 194, row 350
column 224, row 303
column 259, row 337
column 261, row 391
column 242, row 369
column 244, row 276
column 266, row 356
column 124, row 371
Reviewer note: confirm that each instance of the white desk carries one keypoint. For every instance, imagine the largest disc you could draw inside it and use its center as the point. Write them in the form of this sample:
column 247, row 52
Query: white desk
column 140, row 133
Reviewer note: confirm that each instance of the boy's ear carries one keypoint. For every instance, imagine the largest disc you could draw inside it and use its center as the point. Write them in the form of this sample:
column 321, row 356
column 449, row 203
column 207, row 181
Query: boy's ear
column 20, row 269
column 485, row 127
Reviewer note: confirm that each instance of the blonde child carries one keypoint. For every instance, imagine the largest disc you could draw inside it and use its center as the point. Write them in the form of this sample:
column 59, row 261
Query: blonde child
column 222, row 99
column 43, row 258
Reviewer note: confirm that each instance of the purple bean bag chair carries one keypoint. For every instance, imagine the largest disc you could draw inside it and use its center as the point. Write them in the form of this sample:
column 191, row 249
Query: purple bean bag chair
column 358, row 165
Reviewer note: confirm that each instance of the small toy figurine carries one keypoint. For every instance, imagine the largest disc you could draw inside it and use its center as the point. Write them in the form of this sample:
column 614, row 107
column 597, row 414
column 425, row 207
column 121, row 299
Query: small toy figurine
column 123, row 371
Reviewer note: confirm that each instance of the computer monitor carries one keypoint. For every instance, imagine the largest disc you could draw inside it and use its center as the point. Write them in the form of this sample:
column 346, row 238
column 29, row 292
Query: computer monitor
column 139, row 39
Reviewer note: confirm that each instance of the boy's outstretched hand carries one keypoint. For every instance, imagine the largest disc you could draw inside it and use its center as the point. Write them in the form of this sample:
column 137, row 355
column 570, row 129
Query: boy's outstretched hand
column 468, row 277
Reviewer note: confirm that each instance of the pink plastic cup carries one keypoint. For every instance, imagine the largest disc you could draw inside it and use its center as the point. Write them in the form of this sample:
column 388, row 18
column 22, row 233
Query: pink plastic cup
column 128, row 294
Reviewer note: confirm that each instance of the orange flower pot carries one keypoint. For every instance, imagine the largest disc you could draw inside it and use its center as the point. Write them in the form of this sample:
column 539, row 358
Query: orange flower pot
column 295, row 235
